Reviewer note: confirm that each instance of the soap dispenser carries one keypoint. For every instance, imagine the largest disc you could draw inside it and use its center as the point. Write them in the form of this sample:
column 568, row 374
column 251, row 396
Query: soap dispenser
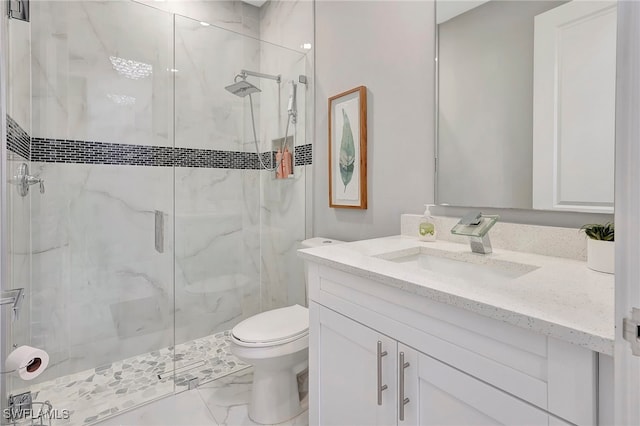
column 427, row 227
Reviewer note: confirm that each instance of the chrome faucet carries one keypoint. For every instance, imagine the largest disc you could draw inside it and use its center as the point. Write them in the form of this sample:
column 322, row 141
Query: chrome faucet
column 476, row 226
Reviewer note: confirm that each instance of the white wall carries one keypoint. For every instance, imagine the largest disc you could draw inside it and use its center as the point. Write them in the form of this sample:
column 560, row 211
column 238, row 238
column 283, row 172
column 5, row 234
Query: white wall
column 387, row 46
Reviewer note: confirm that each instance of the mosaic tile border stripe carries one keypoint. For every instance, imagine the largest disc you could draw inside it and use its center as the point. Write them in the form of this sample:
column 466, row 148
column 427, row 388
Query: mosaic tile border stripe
column 86, row 152
column 303, row 155
column 18, row 140
column 92, row 152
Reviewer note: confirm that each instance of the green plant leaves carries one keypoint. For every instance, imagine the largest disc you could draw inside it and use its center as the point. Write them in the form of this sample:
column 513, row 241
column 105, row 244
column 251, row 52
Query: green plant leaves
column 347, row 152
column 597, row 231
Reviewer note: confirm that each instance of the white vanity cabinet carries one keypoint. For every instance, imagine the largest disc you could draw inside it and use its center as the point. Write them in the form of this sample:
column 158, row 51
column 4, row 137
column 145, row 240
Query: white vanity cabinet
column 463, row 368
column 446, row 396
column 427, row 390
column 349, row 350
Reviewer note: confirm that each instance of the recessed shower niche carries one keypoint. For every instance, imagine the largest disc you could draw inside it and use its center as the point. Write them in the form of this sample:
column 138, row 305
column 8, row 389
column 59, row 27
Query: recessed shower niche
column 283, row 157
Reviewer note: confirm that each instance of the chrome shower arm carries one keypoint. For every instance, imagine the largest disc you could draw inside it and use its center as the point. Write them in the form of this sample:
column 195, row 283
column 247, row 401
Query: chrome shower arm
column 245, row 73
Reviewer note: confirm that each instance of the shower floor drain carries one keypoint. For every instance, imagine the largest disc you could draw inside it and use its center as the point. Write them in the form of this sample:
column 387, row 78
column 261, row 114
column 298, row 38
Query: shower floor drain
column 180, row 371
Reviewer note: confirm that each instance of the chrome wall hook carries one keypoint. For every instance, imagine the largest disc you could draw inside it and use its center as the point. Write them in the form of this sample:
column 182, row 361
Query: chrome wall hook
column 23, row 180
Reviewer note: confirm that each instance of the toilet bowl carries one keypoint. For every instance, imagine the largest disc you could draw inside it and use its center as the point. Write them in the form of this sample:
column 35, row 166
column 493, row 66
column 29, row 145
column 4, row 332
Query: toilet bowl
column 276, row 343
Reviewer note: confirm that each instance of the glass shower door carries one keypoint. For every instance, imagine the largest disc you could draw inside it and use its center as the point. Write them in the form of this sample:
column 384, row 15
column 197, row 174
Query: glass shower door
column 216, row 283
column 99, row 248
column 237, row 227
column 16, row 228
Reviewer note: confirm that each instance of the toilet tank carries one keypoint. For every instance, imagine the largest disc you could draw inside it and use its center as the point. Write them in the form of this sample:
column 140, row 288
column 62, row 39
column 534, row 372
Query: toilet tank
column 310, row 243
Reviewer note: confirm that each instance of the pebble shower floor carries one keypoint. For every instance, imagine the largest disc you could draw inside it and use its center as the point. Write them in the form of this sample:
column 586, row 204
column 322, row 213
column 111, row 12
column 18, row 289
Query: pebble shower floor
column 93, row 395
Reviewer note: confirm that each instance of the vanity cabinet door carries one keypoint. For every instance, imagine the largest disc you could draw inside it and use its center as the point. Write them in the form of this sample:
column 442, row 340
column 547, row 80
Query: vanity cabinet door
column 446, row 396
column 346, row 374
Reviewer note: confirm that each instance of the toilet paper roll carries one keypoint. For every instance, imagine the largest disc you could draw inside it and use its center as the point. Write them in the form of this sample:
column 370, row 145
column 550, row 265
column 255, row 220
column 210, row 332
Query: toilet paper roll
column 28, row 362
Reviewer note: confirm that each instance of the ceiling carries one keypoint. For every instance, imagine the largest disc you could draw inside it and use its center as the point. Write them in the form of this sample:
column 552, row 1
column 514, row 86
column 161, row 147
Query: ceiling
column 447, row 9
column 256, row 3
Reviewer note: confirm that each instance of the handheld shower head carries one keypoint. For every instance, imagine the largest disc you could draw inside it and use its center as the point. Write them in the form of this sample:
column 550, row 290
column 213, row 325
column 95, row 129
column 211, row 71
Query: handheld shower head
column 292, row 107
column 242, row 88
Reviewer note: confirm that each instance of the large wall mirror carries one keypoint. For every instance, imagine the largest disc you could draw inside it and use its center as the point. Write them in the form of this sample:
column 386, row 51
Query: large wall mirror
column 526, row 104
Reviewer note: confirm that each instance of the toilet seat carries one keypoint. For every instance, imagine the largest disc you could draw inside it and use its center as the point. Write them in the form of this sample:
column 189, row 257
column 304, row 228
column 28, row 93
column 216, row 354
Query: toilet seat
column 272, row 328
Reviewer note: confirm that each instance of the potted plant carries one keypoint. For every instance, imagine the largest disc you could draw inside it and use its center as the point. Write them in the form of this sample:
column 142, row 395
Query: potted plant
column 600, row 247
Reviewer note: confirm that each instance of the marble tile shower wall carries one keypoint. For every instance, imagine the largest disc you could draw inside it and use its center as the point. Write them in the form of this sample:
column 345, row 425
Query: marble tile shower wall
column 234, row 15
column 18, row 44
column 92, row 60
column 221, row 283
column 101, row 292
column 283, row 207
column 282, row 225
column 217, row 283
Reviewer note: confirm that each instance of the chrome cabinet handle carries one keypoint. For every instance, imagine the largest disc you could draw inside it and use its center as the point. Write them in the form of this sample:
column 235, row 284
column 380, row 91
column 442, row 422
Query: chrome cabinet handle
column 402, row 400
column 381, row 387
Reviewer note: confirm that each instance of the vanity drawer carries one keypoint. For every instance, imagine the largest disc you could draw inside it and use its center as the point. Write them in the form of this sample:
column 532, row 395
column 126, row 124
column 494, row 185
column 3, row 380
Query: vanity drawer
column 553, row 375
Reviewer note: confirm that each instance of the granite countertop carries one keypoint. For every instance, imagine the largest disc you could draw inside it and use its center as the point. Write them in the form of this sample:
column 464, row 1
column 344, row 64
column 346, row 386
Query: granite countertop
column 557, row 297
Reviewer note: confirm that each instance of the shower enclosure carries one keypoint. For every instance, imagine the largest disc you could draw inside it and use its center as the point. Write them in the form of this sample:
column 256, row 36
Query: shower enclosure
column 156, row 229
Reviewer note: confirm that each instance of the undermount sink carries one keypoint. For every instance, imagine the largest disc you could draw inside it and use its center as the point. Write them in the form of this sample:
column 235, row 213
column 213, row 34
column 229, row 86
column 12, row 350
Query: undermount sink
column 464, row 266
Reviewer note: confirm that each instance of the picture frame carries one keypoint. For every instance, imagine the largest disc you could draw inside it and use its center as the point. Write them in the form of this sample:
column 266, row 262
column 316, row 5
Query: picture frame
column 348, row 149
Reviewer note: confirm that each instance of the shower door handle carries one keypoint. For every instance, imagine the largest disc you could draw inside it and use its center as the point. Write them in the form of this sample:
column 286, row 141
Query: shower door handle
column 159, row 231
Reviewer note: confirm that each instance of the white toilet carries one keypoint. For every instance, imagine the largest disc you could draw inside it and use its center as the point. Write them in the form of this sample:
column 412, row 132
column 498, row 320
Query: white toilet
column 276, row 343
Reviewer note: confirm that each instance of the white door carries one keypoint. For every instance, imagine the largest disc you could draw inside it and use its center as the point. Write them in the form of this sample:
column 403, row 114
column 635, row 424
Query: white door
column 627, row 216
column 347, row 356
column 447, row 396
column 574, row 107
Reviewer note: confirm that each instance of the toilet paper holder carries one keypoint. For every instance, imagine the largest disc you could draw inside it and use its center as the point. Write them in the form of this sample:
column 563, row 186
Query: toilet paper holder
column 23, row 407
column 13, row 297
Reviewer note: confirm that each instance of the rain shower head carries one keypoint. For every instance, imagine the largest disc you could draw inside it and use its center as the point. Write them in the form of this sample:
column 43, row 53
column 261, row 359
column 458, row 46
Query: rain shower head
column 242, row 88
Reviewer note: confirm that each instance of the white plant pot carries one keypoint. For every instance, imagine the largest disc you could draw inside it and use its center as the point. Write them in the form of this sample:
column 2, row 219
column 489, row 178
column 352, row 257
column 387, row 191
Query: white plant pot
column 601, row 255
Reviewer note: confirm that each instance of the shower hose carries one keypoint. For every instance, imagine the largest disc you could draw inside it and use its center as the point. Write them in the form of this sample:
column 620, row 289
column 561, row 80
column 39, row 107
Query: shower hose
column 255, row 139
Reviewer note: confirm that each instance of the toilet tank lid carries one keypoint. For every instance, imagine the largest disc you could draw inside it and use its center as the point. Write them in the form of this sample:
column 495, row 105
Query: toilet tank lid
column 318, row 242
column 274, row 325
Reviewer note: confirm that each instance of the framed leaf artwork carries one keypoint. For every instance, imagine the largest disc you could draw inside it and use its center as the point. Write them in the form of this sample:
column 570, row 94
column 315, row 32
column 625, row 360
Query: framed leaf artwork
column 348, row 149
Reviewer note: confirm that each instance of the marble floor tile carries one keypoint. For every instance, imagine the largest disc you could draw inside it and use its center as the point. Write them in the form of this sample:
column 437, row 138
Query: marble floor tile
column 228, row 400
column 221, row 402
column 184, row 409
